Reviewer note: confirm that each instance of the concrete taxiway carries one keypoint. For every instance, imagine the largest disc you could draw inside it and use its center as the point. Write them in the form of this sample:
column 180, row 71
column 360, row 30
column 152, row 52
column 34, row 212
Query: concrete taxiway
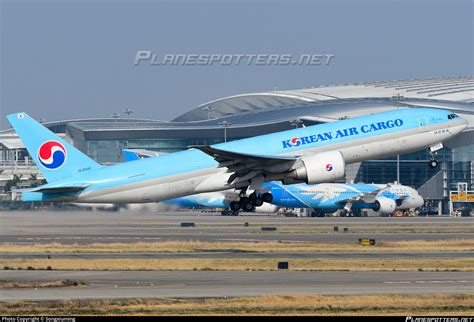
column 30, row 228
column 193, row 284
column 130, row 227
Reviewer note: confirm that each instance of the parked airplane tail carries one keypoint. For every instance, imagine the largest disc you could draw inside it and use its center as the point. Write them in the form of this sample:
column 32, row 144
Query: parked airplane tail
column 130, row 155
column 55, row 158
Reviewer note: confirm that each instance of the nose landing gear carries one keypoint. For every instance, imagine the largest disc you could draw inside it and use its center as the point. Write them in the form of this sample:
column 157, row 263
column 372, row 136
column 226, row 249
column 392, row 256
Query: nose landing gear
column 432, row 150
column 433, row 164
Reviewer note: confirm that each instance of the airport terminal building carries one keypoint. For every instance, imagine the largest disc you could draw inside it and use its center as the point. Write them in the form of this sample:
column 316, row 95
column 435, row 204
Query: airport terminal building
column 253, row 114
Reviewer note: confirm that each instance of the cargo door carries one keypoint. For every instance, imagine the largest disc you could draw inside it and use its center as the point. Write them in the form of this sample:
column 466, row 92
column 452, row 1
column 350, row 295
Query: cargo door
column 423, row 124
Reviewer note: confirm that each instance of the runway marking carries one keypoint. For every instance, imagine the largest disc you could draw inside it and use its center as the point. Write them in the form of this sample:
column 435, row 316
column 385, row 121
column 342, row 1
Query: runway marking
column 89, row 238
column 424, row 282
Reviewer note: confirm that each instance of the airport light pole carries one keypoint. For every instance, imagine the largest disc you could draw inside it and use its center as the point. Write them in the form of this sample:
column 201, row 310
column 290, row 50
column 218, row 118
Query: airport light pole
column 398, row 168
column 208, row 109
column 225, row 125
column 397, row 98
column 115, row 116
column 296, row 123
column 128, row 111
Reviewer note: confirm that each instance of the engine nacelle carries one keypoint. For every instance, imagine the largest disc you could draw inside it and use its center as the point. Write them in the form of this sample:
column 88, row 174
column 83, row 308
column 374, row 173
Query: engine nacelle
column 384, row 205
column 267, row 208
column 322, row 167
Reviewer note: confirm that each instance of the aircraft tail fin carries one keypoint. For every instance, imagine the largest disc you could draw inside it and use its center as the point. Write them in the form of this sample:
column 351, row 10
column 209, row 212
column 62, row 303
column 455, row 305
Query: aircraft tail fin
column 55, row 158
column 137, row 154
column 130, row 155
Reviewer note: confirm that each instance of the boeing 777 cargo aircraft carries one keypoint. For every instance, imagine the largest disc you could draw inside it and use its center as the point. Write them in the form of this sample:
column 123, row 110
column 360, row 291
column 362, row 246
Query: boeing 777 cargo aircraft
column 313, row 154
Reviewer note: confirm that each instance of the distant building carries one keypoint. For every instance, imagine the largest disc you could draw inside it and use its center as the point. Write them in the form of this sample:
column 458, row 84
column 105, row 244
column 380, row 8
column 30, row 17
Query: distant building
column 260, row 113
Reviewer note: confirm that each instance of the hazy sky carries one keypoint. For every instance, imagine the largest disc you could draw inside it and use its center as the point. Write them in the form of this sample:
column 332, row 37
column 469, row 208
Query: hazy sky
column 69, row 59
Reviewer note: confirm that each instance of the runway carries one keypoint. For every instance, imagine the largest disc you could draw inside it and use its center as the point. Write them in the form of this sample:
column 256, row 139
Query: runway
column 197, row 284
column 83, row 228
column 130, row 227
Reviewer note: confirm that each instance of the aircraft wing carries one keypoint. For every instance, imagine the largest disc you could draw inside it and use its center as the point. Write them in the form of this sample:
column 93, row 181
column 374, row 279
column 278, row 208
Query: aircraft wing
column 365, row 197
column 246, row 166
column 403, row 197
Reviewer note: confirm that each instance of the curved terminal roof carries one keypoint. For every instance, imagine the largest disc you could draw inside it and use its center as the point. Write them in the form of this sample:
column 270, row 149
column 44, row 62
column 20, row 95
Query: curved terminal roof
column 265, row 111
column 460, row 89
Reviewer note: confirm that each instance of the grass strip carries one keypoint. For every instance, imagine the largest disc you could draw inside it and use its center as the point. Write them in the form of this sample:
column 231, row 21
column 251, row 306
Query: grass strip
column 40, row 284
column 243, row 264
column 404, row 305
column 264, row 246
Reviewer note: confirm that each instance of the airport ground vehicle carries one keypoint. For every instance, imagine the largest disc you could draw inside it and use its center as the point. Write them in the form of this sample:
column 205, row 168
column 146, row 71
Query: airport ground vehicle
column 428, row 211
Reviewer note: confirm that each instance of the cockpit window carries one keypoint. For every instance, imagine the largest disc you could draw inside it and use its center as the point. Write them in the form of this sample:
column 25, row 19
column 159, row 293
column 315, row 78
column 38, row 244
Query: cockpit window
column 452, row 116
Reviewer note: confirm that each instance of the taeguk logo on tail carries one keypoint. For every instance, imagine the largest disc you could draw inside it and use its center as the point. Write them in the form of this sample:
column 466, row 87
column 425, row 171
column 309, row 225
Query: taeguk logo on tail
column 329, row 167
column 52, row 155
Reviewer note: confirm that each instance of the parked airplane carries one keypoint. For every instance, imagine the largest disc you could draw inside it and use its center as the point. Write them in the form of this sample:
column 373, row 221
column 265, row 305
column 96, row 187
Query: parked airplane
column 313, row 154
column 217, row 199
column 320, row 198
column 351, row 198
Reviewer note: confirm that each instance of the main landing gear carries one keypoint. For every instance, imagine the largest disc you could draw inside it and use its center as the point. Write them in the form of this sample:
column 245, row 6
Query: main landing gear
column 228, row 212
column 250, row 202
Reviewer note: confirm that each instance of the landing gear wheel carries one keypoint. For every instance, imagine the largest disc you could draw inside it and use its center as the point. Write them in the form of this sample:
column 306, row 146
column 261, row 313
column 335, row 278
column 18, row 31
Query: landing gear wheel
column 433, row 164
column 257, row 202
column 317, row 213
column 267, row 197
column 235, row 206
column 344, row 213
column 246, row 204
column 253, row 196
column 255, row 199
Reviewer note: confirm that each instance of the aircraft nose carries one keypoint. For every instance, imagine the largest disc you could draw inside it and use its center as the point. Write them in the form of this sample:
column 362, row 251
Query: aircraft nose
column 459, row 126
column 464, row 122
column 419, row 201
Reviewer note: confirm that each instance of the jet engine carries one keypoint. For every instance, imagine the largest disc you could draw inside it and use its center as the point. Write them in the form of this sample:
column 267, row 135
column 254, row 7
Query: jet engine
column 384, row 205
column 322, row 167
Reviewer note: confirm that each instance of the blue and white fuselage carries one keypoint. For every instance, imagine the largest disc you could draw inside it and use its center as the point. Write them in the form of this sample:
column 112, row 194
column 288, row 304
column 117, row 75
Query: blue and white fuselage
column 313, row 154
column 324, row 197
column 328, row 197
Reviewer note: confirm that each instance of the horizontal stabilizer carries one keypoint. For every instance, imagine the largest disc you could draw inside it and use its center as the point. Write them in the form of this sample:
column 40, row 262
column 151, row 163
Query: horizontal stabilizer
column 59, row 189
